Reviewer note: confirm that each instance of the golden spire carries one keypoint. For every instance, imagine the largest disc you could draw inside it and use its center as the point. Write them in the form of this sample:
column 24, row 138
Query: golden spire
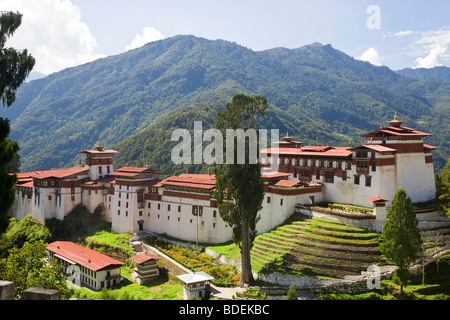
column 98, row 147
column 287, row 137
column 395, row 122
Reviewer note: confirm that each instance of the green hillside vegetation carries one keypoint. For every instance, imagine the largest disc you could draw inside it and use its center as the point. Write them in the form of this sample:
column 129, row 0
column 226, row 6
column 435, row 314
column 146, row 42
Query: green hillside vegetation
column 312, row 247
column 438, row 73
column 152, row 146
column 316, row 247
column 322, row 93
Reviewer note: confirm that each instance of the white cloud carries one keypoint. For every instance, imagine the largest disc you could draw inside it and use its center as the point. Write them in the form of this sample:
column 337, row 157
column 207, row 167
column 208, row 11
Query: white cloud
column 371, row 55
column 431, row 60
column 431, row 46
column 149, row 34
column 403, row 33
column 53, row 33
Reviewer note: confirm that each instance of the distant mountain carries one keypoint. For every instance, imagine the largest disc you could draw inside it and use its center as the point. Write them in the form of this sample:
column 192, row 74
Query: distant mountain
column 319, row 91
column 34, row 75
column 438, row 73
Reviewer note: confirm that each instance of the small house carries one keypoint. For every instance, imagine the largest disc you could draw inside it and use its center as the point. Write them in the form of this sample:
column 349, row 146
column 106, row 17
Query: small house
column 146, row 267
column 196, row 285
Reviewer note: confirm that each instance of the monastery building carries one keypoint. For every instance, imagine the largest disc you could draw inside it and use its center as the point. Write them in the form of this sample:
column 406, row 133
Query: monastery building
column 136, row 199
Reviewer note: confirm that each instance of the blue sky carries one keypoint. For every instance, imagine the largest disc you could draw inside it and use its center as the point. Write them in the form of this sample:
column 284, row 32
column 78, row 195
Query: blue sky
column 396, row 33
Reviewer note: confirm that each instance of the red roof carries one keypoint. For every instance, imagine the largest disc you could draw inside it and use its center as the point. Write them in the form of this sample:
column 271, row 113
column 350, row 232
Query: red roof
column 398, row 131
column 311, row 151
column 275, row 174
column 86, row 257
column 200, row 181
column 378, row 199
column 132, row 172
column 286, row 183
column 59, row 173
column 100, row 151
column 143, row 257
column 427, row 146
column 376, row 147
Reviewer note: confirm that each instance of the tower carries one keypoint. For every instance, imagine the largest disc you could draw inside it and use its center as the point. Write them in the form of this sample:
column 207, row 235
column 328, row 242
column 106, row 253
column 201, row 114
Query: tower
column 99, row 162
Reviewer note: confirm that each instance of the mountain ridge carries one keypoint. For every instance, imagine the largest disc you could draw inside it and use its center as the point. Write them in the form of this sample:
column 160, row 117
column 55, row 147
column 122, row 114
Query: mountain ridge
column 116, row 97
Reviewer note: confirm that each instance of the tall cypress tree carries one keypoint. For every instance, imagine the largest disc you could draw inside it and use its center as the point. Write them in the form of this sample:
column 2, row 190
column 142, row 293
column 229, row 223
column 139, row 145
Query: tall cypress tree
column 14, row 69
column 239, row 186
column 401, row 236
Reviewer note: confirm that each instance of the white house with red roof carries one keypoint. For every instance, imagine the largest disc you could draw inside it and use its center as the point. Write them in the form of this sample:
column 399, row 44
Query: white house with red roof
column 86, row 267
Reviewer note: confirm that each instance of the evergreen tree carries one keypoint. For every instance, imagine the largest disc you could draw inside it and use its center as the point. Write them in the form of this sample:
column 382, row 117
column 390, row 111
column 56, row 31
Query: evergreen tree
column 242, row 183
column 401, row 236
column 14, row 68
column 292, row 293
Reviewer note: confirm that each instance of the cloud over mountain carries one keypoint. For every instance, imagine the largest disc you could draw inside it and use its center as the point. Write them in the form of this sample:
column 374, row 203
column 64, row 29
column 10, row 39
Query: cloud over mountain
column 53, row 32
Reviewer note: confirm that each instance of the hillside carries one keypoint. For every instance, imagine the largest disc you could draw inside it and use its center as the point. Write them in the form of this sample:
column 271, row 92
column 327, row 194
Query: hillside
column 437, row 73
column 152, row 146
column 317, row 90
column 316, row 247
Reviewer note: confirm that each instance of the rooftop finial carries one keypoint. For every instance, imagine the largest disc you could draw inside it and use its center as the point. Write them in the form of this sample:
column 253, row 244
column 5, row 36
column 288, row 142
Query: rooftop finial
column 395, row 123
column 287, row 137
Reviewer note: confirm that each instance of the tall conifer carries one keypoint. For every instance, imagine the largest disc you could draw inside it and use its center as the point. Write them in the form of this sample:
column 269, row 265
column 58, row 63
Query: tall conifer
column 14, row 69
column 401, row 236
column 239, row 187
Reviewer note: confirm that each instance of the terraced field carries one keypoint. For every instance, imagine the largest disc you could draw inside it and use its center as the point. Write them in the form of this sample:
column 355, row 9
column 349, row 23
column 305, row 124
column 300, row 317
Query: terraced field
column 316, row 246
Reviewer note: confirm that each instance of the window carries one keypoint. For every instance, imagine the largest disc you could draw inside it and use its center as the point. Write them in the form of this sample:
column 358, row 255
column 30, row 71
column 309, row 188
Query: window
column 159, row 206
column 100, row 170
column 108, row 169
column 118, row 212
column 281, row 202
column 368, row 181
column 329, row 176
column 214, row 213
column 179, row 208
column 168, row 207
column 356, row 180
column 140, row 213
column 268, row 199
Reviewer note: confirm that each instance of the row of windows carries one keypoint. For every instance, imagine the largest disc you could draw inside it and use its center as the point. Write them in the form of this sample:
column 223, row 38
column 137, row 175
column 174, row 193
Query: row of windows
column 196, row 210
column 317, row 163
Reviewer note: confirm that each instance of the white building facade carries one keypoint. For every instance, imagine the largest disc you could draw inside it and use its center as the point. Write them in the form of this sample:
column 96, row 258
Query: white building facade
column 183, row 207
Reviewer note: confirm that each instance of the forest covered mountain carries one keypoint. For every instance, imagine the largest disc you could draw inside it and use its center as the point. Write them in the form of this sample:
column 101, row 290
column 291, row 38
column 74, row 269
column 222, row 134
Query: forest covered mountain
column 314, row 91
column 438, row 73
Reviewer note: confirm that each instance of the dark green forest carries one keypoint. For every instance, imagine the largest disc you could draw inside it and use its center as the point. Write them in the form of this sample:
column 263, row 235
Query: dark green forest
column 131, row 101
